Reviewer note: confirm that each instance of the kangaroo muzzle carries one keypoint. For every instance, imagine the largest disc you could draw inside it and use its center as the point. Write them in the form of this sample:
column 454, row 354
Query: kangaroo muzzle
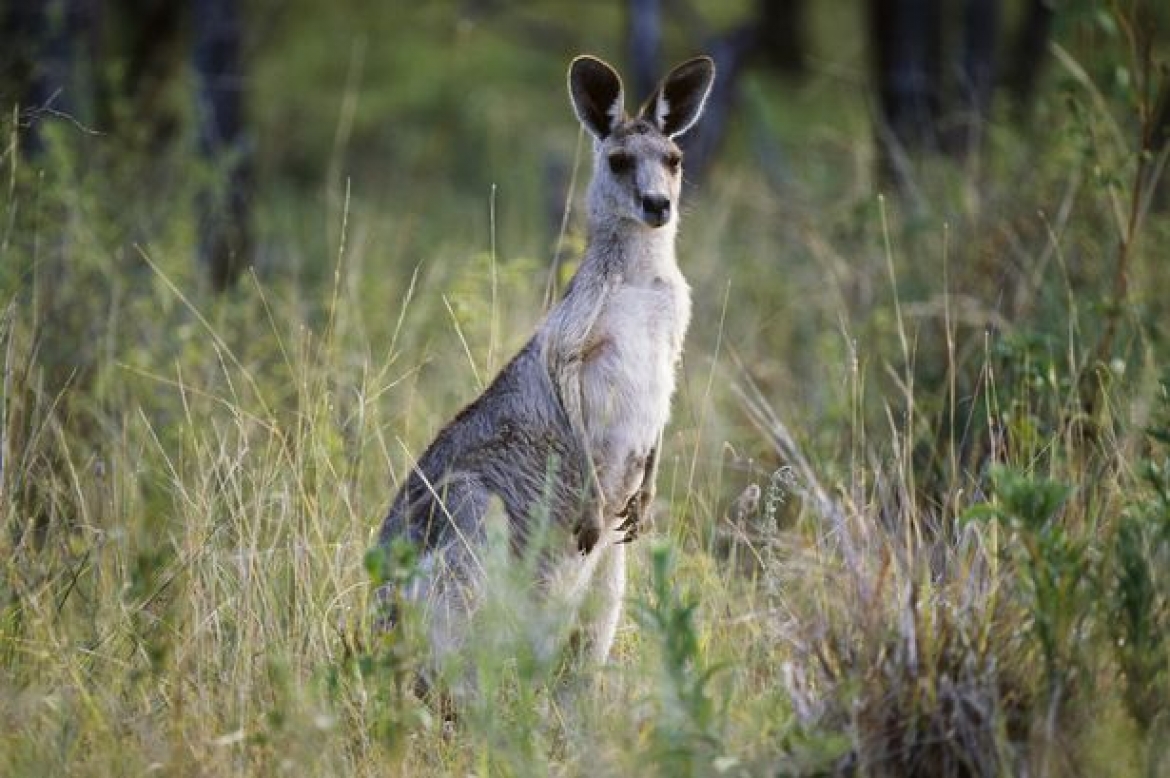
column 655, row 210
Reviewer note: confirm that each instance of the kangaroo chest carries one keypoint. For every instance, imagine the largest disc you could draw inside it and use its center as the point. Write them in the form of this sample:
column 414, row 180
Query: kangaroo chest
column 628, row 374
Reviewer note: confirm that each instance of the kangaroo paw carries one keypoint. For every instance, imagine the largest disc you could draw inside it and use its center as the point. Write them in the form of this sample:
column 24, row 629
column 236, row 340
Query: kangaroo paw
column 587, row 537
column 632, row 533
column 636, row 515
column 589, row 532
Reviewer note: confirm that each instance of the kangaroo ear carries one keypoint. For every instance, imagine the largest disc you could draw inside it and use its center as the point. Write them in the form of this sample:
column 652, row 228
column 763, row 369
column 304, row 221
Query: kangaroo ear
column 678, row 101
column 596, row 91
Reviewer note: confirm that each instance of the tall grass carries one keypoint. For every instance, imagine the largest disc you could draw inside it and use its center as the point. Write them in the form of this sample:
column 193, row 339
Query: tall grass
column 914, row 513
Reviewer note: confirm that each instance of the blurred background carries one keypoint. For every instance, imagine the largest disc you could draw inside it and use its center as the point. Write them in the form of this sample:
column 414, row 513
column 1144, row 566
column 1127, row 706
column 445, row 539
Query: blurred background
column 462, row 96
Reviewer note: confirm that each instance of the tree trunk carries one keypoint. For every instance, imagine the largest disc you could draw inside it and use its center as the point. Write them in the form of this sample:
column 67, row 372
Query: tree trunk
column 1028, row 54
column 980, row 22
column 730, row 52
column 780, row 35
column 905, row 45
column 224, row 233
column 645, row 48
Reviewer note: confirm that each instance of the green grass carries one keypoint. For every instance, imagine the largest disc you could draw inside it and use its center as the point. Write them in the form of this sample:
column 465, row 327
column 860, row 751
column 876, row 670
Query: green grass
column 915, row 506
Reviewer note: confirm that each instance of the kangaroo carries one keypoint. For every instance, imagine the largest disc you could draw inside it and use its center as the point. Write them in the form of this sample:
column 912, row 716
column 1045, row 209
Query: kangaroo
column 568, row 433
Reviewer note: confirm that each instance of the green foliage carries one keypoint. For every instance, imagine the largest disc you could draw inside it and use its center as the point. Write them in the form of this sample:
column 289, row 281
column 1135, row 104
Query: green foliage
column 686, row 729
column 395, row 565
column 1139, row 589
column 1054, row 567
column 1027, row 502
column 374, row 679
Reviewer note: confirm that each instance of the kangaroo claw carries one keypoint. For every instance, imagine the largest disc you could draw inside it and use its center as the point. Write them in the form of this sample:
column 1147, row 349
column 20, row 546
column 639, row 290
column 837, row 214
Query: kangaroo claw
column 632, row 527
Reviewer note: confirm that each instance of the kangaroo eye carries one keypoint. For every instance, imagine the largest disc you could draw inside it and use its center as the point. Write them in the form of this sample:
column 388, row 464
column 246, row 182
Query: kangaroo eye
column 620, row 164
column 673, row 160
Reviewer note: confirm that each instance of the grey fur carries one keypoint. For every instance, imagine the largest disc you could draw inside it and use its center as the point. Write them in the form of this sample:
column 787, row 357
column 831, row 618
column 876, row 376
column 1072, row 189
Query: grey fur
column 568, row 433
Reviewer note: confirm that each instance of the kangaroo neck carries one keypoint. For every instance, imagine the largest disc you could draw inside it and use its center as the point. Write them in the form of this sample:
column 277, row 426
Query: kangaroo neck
column 629, row 248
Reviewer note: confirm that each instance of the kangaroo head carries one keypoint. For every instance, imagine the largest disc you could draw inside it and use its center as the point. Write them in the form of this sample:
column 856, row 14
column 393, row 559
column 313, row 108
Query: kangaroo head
column 637, row 172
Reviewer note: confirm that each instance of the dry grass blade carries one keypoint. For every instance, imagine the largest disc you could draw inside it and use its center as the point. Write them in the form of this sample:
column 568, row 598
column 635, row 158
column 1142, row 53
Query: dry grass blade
column 765, row 420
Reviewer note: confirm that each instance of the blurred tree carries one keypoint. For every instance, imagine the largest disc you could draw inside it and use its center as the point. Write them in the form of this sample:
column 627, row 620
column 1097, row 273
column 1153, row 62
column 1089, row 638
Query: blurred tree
column 772, row 38
column 55, row 63
column 929, row 98
column 976, row 76
column 1031, row 44
column 781, row 29
column 919, row 106
column 906, row 52
column 645, row 45
column 224, row 234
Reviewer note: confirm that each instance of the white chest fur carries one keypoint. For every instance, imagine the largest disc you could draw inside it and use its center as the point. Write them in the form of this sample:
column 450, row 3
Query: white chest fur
column 629, row 376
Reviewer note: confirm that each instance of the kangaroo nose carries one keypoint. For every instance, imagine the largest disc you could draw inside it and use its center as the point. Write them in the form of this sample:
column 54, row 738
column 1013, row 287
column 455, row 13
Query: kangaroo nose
column 656, row 209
